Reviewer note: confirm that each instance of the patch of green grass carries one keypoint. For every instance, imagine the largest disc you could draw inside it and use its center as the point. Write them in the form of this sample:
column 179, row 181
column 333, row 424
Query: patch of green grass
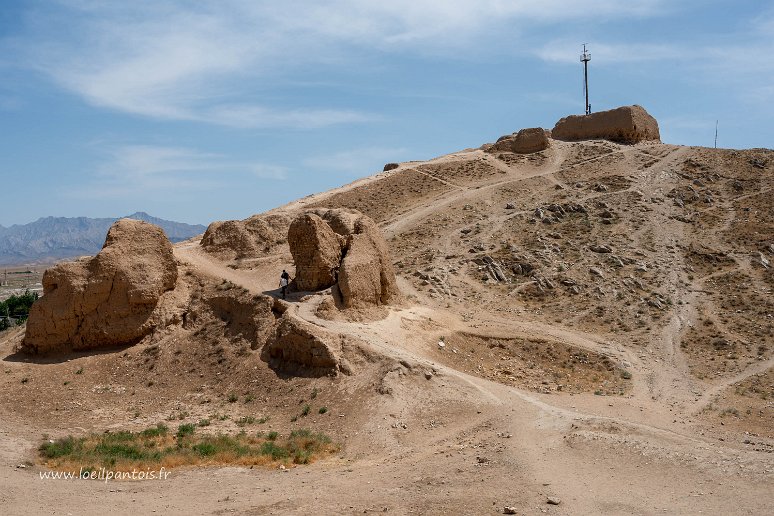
column 79, row 371
column 59, row 448
column 314, row 393
column 264, row 419
column 232, row 398
column 156, row 447
column 204, row 422
column 249, row 398
column 305, row 410
column 185, row 429
column 323, row 410
column 158, row 430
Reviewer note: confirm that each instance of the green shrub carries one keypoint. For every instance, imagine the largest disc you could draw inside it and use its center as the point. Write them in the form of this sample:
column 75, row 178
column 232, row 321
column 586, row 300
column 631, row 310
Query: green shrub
column 160, row 429
column 59, row 448
column 186, row 429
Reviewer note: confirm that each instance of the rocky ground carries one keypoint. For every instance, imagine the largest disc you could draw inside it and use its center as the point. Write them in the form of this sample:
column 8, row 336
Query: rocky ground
column 591, row 324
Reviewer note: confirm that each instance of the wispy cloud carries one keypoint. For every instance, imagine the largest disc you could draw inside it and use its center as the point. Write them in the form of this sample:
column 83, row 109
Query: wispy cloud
column 565, row 51
column 355, row 162
column 180, row 60
column 156, row 170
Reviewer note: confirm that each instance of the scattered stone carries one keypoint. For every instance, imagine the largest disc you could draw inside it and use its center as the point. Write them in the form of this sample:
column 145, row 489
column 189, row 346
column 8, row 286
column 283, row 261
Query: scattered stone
column 758, row 163
column 600, row 248
column 553, row 500
column 596, row 272
column 763, row 261
column 510, row 206
column 510, row 510
column 428, row 375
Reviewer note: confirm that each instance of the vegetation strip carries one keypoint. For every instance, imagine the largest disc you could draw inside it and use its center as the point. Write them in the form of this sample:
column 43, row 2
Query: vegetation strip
column 157, row 446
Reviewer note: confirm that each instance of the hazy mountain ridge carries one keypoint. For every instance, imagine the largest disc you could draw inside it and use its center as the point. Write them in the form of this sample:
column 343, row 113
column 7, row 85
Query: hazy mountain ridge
column 53, row 238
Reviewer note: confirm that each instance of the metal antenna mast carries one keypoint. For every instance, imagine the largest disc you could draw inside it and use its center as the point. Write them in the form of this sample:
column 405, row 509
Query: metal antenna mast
column 716, row 134
column 585, row 58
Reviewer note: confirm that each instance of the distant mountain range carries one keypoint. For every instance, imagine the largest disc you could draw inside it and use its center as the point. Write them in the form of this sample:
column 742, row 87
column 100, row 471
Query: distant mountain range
column 54, row 238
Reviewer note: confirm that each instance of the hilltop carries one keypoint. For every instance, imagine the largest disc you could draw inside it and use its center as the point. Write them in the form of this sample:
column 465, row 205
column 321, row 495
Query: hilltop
column 588, row 322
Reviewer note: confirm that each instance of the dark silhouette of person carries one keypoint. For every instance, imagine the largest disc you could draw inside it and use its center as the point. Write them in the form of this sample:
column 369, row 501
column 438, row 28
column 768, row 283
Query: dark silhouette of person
column 284, row 282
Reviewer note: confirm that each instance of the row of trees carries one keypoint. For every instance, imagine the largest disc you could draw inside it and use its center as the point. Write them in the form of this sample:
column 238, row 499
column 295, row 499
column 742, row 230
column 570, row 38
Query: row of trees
column 16, row 307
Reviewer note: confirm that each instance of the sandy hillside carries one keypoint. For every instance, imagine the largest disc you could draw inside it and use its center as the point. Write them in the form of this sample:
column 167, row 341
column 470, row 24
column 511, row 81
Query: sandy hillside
column 592, row 323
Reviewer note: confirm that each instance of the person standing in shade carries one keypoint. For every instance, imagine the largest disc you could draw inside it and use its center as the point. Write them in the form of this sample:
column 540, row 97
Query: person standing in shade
column 284, row 281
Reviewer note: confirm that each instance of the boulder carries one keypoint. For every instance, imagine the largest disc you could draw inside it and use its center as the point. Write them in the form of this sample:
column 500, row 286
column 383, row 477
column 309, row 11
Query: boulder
column 250, row 238
column 316, row 251
column 628, row 124
column 526, row 141
column 390, row 166
column 107, row 300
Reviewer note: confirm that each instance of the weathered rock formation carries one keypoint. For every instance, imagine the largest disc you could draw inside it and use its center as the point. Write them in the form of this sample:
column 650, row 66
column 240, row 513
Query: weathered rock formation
column 107, row 300
column 316, row 251
column 366, row 276
column 250, row 238
column 245, row 317
column 299, row 347
column 525, row 141
column 343, row 248
column 628, row 124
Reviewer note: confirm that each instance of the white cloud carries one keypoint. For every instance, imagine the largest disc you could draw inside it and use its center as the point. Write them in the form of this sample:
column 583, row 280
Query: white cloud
column 182, row 60
column 146, row 169
column 358, row 162
column 564, row 51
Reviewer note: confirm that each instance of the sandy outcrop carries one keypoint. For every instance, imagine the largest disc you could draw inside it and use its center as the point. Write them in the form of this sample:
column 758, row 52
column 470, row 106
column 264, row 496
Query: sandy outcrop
column 526, row 141
column 316, row 251
column 245, row 317
column 344, row 248
column 106, row 300
column 250, row 238
column 367, row 276
column 298, row 347
column 628, row 124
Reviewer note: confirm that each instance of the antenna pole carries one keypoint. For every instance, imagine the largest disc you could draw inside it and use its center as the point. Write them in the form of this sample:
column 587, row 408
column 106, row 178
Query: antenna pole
column 585, row 58
column 716, row 134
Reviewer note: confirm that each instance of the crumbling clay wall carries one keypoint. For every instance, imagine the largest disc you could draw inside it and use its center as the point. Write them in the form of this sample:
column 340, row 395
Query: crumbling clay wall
column 107, row 300
column 628, row 124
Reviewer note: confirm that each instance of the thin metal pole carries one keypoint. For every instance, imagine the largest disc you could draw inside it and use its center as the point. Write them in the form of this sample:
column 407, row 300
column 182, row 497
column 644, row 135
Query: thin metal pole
column 586, row 79
column 716, row 134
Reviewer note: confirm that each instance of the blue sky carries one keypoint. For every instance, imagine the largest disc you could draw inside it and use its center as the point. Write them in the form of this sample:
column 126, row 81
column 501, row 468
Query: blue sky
column 209, row 110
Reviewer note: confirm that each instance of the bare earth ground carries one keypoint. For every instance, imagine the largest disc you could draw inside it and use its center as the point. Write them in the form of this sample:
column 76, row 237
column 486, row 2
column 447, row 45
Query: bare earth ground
column 594, row 322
